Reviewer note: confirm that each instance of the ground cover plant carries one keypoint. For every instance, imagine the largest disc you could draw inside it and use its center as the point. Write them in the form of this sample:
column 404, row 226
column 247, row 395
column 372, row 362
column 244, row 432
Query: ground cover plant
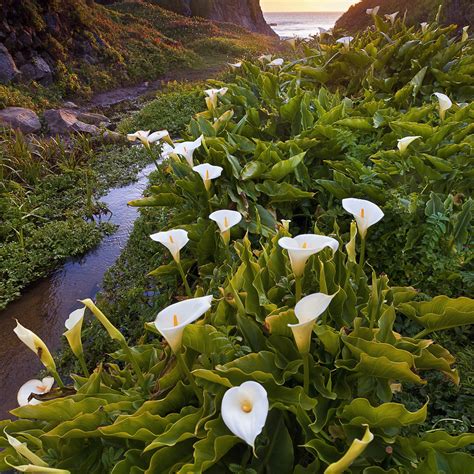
column 288, row 346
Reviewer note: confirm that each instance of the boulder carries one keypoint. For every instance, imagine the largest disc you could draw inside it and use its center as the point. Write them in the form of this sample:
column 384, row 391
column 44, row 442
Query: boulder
column 20, row 118
column 62, row 121
column 70, row 105
column 93, row 119
column 8, row 69
column 37, row 70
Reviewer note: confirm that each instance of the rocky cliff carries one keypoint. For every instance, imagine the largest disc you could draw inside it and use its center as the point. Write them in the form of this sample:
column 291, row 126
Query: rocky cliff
column 246, row 13
column 460, row 12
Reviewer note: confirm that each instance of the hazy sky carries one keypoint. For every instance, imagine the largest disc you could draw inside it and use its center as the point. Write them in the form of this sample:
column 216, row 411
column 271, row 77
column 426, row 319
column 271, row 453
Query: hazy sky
column 306, row 5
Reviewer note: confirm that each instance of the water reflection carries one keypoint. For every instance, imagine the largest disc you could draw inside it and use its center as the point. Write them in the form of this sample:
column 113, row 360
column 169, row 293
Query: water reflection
column 45, row 306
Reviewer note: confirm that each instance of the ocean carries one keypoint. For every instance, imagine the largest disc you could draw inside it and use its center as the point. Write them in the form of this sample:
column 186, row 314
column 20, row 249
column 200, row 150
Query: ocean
column 302, row 25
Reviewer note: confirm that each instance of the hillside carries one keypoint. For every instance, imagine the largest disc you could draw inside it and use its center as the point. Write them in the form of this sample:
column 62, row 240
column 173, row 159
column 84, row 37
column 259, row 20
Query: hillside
column 459, row 12
column 52, row 50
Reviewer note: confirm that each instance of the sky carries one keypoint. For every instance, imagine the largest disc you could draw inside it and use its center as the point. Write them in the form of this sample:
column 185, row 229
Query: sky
column 306, row 5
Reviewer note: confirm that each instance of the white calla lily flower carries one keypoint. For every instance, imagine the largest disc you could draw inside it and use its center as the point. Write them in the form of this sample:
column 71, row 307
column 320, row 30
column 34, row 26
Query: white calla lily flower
column 465, row 34
column 213, row 94
column 373, row 11
column 345, row 41
column 225, row 220
column 366, row 213
column 23, row 450
column 171, row 321
column 301, row 247
column 174, row 240
column 73, row 334
column 276, row 62
column 444, row 104
column 308, row 310
column 187, row 149
column 265, row 57
column 208, row 173
column 236, row 65
column 392, row 17
column 146, row 138
column 33, row 342
column 424, row 26
column 38, row 387
column 403, row 143
column 244, row 410
column 166, row 150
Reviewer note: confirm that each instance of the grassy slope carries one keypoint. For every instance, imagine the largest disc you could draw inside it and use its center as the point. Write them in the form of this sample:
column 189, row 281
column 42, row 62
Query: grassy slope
column 129, row 41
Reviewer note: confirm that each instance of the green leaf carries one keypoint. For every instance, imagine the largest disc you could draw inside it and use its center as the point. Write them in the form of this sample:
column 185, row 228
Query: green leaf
column 284, row 167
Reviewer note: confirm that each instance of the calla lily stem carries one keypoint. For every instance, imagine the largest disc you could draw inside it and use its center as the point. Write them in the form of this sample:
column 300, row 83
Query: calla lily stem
column 187, row 373
column 83, row 365
column 298, row 289
column 306, row 373
column 362, row 253
column 134, row 363
column 57, row 378
column 185, row 281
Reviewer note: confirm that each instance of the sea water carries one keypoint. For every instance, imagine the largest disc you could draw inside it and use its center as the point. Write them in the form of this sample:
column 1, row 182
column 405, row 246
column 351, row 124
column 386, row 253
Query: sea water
column 302, row 25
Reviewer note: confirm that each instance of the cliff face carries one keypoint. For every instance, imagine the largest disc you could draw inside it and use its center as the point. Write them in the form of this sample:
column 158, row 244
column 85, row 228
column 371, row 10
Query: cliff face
column 246, row 13
column 459, row 12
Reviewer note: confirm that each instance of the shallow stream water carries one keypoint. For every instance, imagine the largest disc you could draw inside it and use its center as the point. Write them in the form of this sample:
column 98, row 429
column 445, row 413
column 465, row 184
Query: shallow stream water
column 45, row 305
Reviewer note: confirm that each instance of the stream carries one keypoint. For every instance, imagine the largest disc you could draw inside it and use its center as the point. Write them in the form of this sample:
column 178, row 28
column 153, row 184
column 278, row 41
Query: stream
column 46, row 304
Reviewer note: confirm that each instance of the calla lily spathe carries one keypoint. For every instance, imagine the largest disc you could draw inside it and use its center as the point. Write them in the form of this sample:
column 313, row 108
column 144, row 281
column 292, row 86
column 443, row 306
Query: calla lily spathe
column 174, row 240
column 73, row 334
column 373, row 11
column 403, row 143
column 213, row 94
column 301, row 247
column 465, row 34
column 187, row 149
column 146, row 138
column 345, row 41
column 276, row 62
column 171, row 321
column 444, row 104
column 225, row 220
column 308, row 310
column 236, row 65
column 23, row 450
column 244, row 410
column 38, row 387
column 366, row 213
column 265, row 57
column 208, row 173
column 392, row 17
column 32, row 341
column 424, row 26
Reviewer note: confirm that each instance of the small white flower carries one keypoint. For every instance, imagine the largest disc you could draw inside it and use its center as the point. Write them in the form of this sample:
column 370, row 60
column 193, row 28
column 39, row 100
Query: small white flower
column 404, row 142
column 308, row 310
column 174, row 240
column 444, row 104
column 171, row 321
column 225, row 220
column 392, row 17
column 146, row 138
column 186, row 149
column 236, row 65
column 265, row 57
column 465, row 34
column 345, row 41
column 424, row 26
column 38, row 387
column 373, row 11
column 208, row 173
column 301, row 247
column 276, row 62
column 244, row 410
column 366, row 213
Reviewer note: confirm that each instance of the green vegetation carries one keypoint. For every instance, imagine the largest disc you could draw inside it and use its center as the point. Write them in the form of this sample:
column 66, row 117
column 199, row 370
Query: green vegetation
column 48, row 199
column 354, row 384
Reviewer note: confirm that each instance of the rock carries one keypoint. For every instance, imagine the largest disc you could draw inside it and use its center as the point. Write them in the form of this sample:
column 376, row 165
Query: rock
column 37, row 70
column 62, row 121
column 8, row 69
column 20, row 118
column 70, row 105
column 93, row 119
column 114, row 138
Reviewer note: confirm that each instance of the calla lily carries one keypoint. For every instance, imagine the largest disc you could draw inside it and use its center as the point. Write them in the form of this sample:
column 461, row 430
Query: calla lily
column 213, row 94
column 244, row 410
column 444, row 104
column 404, row 142
column 424, row 26
column 146, row 138
column 373, row 11
column 208, row 173
column 73, row 335
column 345, row 41
column 465, row 34
column 38, row 387
column 301, row 247
column 276, row 62
column 166, row 150
column 174, row 240
column 171, row 321
column 366, row 213
column 236, row 65
column 23, row 450
column 392, row 17
column 265, row 57
column 186, row 149
column 31, row 340
column 225, row 220
column 308, row 310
